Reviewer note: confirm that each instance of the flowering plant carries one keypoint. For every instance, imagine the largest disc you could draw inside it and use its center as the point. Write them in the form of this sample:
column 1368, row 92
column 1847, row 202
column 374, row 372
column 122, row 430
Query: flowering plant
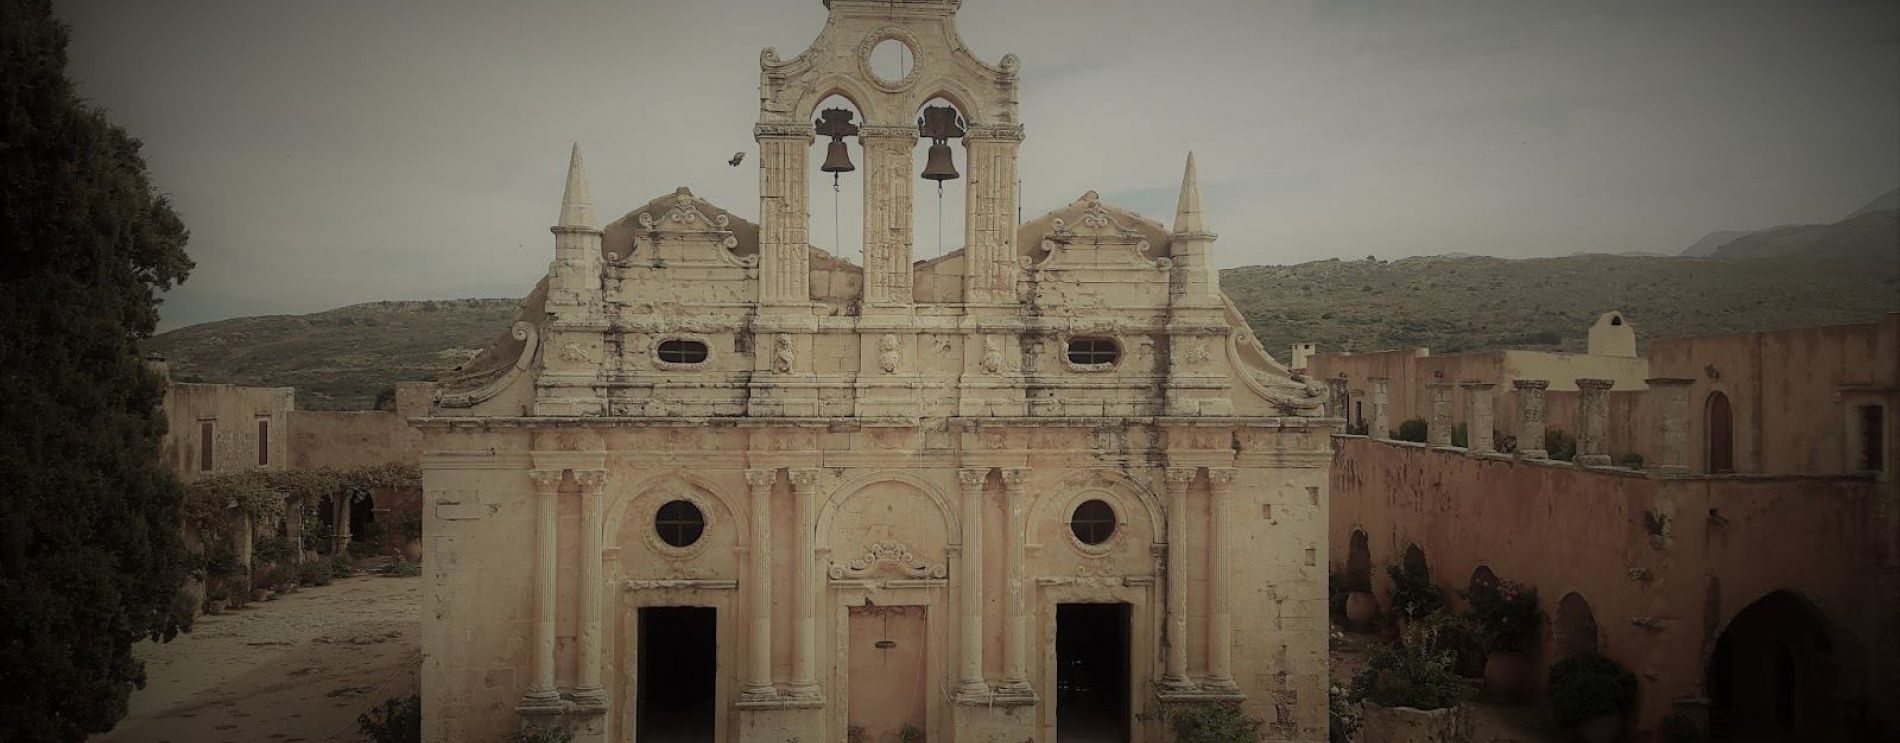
column 1412, row 591
column 1506, row 611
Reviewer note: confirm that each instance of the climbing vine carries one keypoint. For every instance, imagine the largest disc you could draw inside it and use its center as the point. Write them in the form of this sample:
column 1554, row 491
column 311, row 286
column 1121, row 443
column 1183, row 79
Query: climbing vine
column 211, row 502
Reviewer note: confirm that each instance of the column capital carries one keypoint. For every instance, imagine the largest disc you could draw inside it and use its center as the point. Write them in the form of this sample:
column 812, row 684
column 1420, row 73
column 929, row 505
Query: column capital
column 1014, row 477
column 764, row 130
column 590, row 481
column 995, row 133
column 803, row 479
column 1221, row 479
column 547, row 482
column 972, row 478
column 757, row 480
column 1531, row 384
column 1178, row 478
column 1589, row 383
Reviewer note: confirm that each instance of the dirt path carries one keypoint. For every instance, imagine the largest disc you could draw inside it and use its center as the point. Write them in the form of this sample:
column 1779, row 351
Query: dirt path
column 300, row 668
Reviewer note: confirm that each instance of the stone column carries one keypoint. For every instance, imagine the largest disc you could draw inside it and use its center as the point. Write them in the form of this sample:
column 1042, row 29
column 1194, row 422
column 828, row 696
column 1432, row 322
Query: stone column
column 887, row 205
column 1438, row 432
column 758, row 681
column 1220, row 618
column 970, row 684
column 542, row 693
column 1672, row 421
column 1381, row 426
column 1175, row 678
column 784, row 221
column 1530, row 417
column 1593, row 424
column 1015, row 604
column 1478, row 416
column 587, row 688
column 804, row 683
column 989, row 222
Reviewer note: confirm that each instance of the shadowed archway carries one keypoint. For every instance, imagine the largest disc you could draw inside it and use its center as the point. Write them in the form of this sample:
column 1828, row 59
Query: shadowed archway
column 1773, row 674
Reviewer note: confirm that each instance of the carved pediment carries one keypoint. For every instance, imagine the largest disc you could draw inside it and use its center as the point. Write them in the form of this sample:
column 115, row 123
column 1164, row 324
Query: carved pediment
column 683, row 229
column 1091, row 234
column 888, row 555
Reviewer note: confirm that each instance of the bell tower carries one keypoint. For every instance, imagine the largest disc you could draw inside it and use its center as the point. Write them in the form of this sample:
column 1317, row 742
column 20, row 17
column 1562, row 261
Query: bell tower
column 839, row 63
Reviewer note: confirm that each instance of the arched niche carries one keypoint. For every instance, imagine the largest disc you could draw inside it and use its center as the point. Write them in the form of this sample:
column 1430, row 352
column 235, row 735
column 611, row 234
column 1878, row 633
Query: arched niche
column 1719, row 433
column 871, row 520
column 1359, row 562
column 1573, row 627
column 1413, row 561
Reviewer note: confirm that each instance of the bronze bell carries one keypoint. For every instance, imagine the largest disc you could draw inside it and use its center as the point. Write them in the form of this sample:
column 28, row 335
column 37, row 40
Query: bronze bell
column 940, row 123
column 940, row 167
column 836, row 124
column 837, row 158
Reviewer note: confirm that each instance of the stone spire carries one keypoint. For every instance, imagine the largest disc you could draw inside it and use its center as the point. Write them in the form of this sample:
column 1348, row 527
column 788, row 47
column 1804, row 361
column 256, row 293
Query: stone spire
column 577, row 207
column 1188, row 219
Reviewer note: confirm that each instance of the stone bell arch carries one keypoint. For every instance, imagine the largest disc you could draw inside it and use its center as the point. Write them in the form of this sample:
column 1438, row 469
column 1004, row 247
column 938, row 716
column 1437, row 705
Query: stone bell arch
column 838, row 62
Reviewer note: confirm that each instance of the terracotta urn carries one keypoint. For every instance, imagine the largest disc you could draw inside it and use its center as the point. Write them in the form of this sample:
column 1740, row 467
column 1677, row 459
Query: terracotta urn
column 1407, row 725
column 1362, row 611
column 1601, row 729
column 412, row 550
column 1510, row 678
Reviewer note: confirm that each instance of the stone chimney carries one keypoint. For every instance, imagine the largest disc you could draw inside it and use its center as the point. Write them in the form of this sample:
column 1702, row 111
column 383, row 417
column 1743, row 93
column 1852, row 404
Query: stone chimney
column 1530, row 417
column 1478, row 416
column 1593, row 424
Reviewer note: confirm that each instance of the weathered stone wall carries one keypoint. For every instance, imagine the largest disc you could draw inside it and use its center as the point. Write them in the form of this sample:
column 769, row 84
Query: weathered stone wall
column 343, row 439
column 234, row 413
column 1663, row 562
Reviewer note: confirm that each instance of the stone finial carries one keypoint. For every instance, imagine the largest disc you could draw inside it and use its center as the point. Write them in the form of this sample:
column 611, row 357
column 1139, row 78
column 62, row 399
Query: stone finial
column 1188, row 218
column 577, row 205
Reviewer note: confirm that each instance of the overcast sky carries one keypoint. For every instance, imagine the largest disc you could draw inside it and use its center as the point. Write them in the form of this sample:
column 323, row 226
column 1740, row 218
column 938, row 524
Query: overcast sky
column 328, row 153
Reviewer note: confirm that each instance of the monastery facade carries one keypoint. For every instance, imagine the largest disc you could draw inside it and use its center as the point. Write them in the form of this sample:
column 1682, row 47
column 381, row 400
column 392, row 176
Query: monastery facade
column 716, row 484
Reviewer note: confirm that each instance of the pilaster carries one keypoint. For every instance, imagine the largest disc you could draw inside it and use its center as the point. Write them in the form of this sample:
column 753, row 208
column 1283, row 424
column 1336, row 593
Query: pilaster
column 887, row 208
column 758, row 685
column 543, row 698
column 784, row 217
column 804, row 684
column 971, row 688
column 1015, row 688
column 1174, row 679
column 588, row 694
column 1220, row 618
column 989, row 223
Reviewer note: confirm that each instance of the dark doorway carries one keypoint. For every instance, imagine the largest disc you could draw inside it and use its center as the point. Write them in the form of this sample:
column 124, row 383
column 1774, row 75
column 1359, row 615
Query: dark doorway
column 678, row 664
column 1772, row 676
column 1092, row 685
column 362, row 515
column 1721, row 434
column 1574, row 632
column 1359, row 563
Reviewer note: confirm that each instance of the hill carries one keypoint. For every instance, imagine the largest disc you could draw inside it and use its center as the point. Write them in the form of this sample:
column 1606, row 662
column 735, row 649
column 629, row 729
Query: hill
column 1706, row 246
column 1870, row 236
column 342, row 357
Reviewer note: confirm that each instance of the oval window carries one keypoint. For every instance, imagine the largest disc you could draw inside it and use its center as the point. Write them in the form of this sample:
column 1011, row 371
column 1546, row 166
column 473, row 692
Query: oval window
column 1093, row 521
column 678, row 351
column 679, row 523
column 1093, row 351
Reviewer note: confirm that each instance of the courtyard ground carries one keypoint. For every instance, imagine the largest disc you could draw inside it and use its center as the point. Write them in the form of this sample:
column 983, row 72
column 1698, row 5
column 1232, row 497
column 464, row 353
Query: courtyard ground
column 1491, row 723
column 300, row 668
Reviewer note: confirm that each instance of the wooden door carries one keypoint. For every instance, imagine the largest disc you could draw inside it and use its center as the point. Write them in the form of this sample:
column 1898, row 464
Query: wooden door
column 1721, row 435
column 888, row 663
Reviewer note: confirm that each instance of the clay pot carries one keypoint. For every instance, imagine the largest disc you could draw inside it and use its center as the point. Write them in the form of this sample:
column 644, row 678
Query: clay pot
column 1510, row 678
column 1406, row 725
column 1601, row 729
column 1362, row 611
column 412, row 550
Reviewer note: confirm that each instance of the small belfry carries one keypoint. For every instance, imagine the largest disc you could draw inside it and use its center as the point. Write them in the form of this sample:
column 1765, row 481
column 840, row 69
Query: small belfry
column 714, row 482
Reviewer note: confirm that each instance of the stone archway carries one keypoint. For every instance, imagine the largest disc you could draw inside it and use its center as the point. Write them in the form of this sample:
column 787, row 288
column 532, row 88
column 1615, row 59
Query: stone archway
column 1574, row 628
column 1773, row 675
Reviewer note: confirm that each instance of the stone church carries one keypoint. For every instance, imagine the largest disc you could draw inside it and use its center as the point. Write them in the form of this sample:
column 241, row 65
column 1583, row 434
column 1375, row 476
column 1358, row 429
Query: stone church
column 715, row 483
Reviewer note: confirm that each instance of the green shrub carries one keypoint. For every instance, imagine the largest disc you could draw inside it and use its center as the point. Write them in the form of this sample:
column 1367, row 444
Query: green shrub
column 1212, row 722
column 221, row 562
column 273, row 549
column 316, row 573
column 1412, row 591
column 342, row 567
column 1414, row 675
column 534, row 733
column 1342, row 723
column 1505, row 612
column 1412, row 430
column 1590, row 685
column 1458, row 636
column 239, row 587
column 398, row 720
column 400, row 569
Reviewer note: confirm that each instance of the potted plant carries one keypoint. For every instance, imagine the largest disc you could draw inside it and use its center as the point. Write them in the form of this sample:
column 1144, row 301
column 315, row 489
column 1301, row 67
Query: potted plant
column 1592, row 694
column 1506, row 615
column 1413, row 595
column 1409, row 694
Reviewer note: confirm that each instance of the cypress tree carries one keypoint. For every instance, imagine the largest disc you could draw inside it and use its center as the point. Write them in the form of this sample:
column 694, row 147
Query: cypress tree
column 90, row 554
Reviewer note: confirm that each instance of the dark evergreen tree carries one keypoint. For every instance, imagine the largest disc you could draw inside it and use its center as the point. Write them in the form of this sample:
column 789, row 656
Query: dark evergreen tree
column 90, row 556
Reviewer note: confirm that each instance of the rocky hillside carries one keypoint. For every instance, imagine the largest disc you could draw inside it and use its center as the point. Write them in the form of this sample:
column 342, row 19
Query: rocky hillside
column 342, row 357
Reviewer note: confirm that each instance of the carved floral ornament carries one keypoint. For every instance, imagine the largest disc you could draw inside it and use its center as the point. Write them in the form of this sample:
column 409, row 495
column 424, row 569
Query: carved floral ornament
column 879, row 36
column 1098, row 225
column 888, row 554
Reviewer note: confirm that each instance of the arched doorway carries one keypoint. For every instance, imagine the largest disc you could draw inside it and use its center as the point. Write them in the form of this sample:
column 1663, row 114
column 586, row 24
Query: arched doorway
column 1575, row 627
column 1721, row 434
column 1359, row 563
column 1772, row 676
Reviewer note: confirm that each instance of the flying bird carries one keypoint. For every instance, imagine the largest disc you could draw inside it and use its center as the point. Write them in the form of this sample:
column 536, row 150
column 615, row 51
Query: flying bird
column 737, row 157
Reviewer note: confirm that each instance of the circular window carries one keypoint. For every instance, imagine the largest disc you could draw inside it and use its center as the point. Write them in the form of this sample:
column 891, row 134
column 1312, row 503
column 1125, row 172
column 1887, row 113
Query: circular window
column 1093, row 521
column 679, row 523
column 892, row 61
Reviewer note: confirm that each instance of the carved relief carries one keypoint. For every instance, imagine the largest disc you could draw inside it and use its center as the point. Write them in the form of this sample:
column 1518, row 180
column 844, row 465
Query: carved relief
column 782, row 353
column 992, row 354
column 888, row 356
column 888, row 554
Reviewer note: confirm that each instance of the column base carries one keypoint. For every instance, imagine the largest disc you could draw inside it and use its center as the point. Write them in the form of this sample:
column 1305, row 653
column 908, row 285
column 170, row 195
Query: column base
column 1222, row 686
column 807, row 694
column 757, row 695
column 1014, row 692
column 541, row 703
column 978, row 723
column 971, row 691
column 782, row 722
column 1172, row 686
